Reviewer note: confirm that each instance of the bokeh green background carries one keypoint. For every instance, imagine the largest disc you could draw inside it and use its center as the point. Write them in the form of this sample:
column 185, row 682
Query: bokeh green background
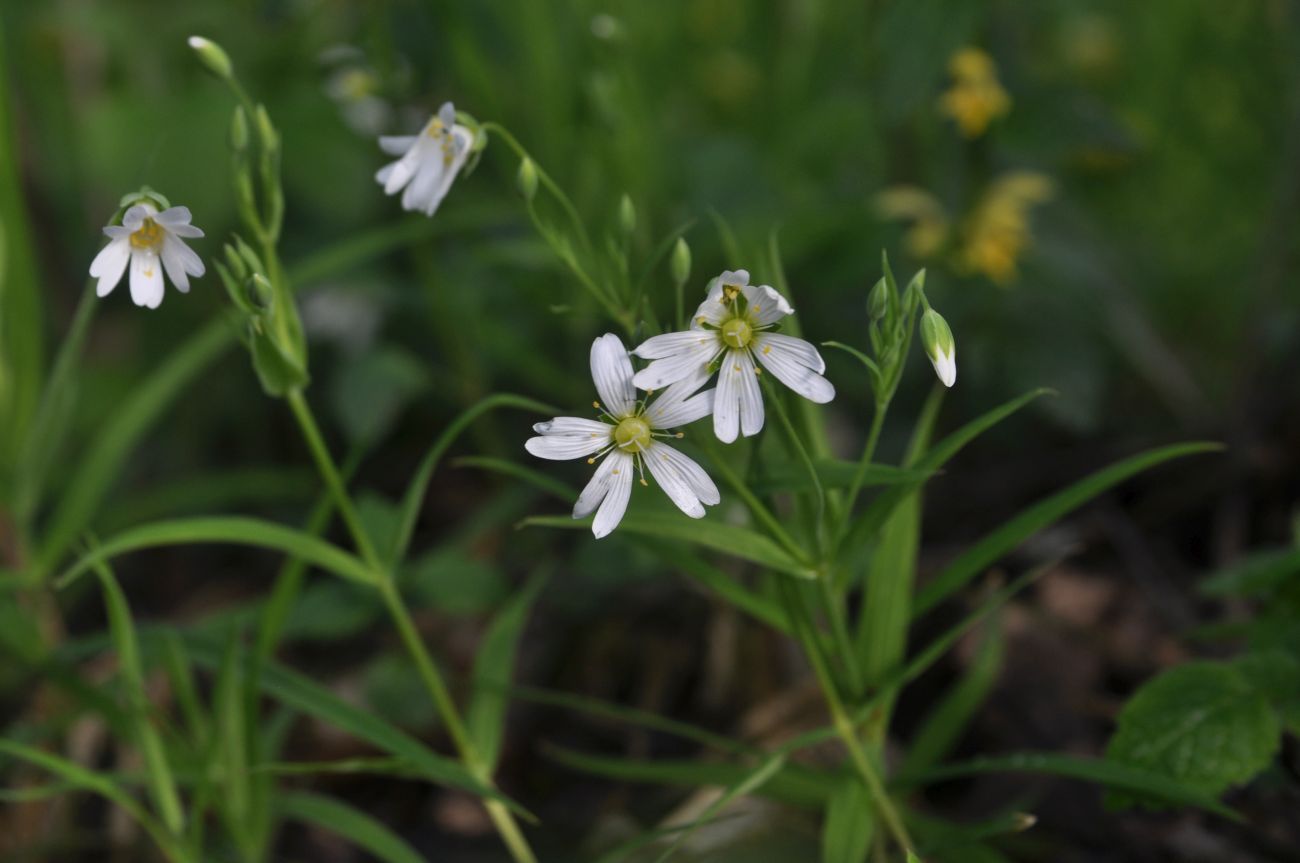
column 1158, row 294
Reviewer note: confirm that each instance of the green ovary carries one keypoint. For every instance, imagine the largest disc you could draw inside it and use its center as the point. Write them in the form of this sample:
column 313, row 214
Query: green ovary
column 737, row 333
column 632, row 435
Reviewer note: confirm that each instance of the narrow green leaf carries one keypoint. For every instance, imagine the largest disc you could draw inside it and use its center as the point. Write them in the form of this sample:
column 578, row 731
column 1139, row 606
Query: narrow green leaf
column 951, row 714
column 706, row 532
column 349, row 822
column 870, row 521
column 554, row 487
column 415, row 492
column 1107, row 773
column 485, row 717
column 1203, row 726
column 95, row 473
column 1028, row 522
column 1257, row 574
column 833, row 473
column 162, row 788
column 226, row 529
column 230, row 752
column 795, row 784
column 747, row 784
column 849, row 824
column 79, row 777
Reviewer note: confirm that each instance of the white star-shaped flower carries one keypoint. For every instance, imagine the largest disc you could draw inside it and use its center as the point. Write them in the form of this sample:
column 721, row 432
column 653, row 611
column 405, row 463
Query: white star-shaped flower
column 151, row 242
column 733, row 328
column 628, row 436
column 429, row 161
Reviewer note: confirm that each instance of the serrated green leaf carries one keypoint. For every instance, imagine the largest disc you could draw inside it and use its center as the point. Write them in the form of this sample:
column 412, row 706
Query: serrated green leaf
column 226, row 529
column 485, row 718
column 1275, row 675
column 1201, row 725
column 349, row 822
column 1029, row 521
column 849, row 823
column 705, row 532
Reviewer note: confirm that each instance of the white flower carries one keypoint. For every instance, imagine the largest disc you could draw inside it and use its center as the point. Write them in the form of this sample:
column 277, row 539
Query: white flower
column 151, row 242
column 733, row 328
column 429, row 161
column 627, row 437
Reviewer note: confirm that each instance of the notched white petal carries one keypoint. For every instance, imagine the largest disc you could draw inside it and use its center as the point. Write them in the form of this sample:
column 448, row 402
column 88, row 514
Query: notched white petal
column 614, row 505
column 611, row 371
column 671, row 480
column 110, row 264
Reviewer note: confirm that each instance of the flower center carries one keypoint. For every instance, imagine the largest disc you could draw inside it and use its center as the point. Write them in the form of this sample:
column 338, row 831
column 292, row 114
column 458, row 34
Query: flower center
column 737, row 333
column 632, row 435
column 148, row 236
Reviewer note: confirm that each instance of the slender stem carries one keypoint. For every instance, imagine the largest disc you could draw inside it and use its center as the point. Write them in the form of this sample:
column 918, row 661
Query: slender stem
column 428, row 671
column 864, row 461
column 330, row 473
column 756, row 507
column 774, row 398
column 844, row 726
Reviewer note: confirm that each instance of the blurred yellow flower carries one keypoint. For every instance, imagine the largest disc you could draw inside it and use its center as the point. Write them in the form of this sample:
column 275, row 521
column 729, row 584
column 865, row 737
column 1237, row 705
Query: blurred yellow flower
column 976, row 98
column 996, row 232
column 929, row 221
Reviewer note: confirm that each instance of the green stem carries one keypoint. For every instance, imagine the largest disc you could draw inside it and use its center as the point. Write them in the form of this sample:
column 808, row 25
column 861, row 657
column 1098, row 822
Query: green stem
column 756, row 507
column 428, row 671
column 864, row 462
column 844, row 726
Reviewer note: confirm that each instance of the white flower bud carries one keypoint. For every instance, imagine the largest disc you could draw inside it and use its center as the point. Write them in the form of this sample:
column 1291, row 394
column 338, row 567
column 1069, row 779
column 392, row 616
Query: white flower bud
column 939, row 346
column 213, row 58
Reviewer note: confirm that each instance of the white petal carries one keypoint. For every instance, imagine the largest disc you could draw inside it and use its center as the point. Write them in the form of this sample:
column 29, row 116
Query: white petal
column 146, row 279
column 700, row 483
column 421, row 189
column 572, row 425
column 447, row 114
column 671, row 480
column 789, row 361
column 679, row 405
column 695, row 349
column 109, row 265
column 620, row 490
column 117, row 232
column 188, row 257
column 174, row 266
column 396, row 175
column 611, row 371
column 185, row 231
column 397, row 145
column 726, row 400
column 766, row 305
column 461, row 138
column 568, row 437
column 751, row 397
column 134, row 217
column 173, row 216
column 594, row 492
column 671, row 344
column 945, row 366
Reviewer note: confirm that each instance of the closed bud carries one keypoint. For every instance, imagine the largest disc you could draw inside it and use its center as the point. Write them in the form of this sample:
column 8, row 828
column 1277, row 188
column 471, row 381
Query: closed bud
column 681, row 261
column 213, row 58
column 526, row 179
column 239, row 130
column 626, row 215
column 878, row 300
column 266, row 133
column 238, row 266
column 259, row 291
column 937, row 339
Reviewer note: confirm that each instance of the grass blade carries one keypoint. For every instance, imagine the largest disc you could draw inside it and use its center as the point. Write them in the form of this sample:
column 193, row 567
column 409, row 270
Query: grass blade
column 349, row 822
column 415, row 492
column 748, row 784
column 1040, row 515
column 162, row 788
column 227, row 529
column 706, row 532
column 1101, row 772
column 485, row 717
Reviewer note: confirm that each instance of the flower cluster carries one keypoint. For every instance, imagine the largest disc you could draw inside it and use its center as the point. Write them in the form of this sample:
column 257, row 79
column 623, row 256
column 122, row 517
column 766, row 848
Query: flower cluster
column 976, row 98
column 733, row 334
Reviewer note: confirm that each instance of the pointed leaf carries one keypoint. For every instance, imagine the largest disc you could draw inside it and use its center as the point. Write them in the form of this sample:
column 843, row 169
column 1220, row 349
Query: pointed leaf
column 349, row 822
